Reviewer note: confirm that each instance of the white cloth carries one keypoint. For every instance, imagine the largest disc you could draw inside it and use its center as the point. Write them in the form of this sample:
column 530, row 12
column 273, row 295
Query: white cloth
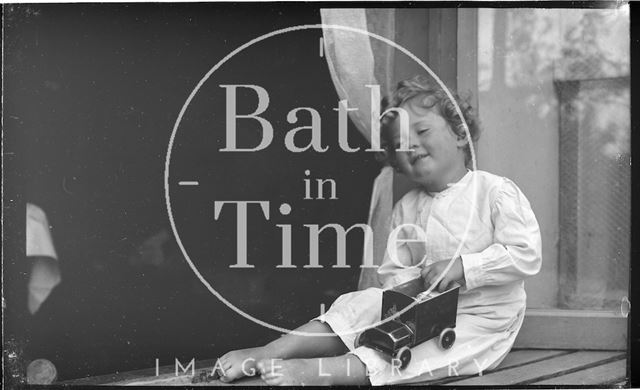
column 39, row 242
column 380, row 221
column 45, row 273
column 501, row 248
column 356, row 60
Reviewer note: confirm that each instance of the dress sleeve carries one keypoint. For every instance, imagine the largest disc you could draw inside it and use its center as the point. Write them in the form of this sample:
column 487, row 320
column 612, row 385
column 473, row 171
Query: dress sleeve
column 390, row 273
column 517, row 249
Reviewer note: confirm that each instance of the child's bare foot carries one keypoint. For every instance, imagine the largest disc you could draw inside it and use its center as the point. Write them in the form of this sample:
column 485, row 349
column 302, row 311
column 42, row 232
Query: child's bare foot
column 293, row 372
column 336, row 370
column 241, row 363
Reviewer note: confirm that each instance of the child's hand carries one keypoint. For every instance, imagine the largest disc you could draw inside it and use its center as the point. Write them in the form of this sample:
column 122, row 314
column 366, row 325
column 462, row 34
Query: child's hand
column 431, row 272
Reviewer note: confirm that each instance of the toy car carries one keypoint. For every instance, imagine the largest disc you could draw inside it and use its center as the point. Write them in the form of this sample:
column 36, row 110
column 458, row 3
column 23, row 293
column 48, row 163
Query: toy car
column 434, row 315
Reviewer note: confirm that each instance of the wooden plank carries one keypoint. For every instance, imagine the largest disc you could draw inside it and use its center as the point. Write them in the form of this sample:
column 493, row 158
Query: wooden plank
column 168, row 377
column 150, row 373
column 531, row 362
column 185, row 380
column 515, row 358
column 602, row 374
column 532, row 371
column 573, row 329
column 523, row 356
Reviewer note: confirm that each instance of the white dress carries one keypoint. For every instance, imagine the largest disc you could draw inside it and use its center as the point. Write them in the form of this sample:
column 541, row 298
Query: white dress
column 501, row 248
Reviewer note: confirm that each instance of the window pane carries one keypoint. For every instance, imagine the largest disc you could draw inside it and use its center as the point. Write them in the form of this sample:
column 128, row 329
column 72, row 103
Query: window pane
column 553, row 97
column 595, row 194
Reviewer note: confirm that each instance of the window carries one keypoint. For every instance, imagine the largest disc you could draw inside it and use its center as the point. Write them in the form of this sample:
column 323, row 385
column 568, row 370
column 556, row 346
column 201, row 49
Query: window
column 592, row 85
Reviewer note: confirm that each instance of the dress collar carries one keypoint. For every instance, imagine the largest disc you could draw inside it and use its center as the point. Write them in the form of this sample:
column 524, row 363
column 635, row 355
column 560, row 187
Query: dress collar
column 451, row 186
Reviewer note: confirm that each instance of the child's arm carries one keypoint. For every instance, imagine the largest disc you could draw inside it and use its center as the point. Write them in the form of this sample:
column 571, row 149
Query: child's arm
column 402, row 268
column 517, row 250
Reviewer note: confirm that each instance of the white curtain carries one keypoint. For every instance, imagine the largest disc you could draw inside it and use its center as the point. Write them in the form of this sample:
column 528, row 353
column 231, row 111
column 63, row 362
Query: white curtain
column 356, row 60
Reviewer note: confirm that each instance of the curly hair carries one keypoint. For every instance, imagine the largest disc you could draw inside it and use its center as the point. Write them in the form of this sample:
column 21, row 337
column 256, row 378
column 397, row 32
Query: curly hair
column 431, row 96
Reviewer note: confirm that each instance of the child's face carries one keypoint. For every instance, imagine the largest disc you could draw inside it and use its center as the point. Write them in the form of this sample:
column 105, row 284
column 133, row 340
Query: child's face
column 436, row 150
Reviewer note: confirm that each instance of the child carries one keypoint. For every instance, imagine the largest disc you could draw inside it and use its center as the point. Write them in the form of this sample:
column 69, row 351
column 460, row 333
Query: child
column 486, row 215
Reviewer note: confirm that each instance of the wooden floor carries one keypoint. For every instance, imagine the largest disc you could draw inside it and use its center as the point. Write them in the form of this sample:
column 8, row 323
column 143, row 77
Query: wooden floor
column 520, row 367
column 553, row 367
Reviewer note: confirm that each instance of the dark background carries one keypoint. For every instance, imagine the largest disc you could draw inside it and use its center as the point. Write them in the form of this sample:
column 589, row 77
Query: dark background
column 91, row 94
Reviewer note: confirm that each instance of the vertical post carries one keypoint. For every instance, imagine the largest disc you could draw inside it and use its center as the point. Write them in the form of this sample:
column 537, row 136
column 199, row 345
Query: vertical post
column 467, row 57
column 442, row 53
column 467, row 63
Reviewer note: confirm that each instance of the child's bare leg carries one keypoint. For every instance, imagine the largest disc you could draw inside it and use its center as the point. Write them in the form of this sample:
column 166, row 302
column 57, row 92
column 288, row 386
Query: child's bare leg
column 237, row 364
column 339, row 370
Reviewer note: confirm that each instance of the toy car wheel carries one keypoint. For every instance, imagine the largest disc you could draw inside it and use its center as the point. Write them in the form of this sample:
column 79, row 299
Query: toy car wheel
column 447, row 338
column 404, row 355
